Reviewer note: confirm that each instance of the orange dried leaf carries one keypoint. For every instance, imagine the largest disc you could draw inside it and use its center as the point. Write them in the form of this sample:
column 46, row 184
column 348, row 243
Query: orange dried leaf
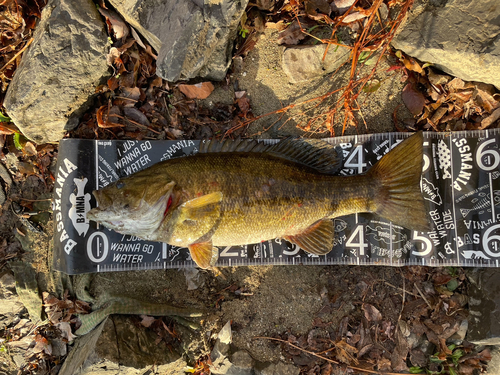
column 412, row 64
column 199, row 91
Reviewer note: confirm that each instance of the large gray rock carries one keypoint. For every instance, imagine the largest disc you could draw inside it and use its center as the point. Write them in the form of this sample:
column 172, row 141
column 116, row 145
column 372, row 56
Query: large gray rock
column 461, row 38
column 304, row 63
column 60, row 70
column 194, row 38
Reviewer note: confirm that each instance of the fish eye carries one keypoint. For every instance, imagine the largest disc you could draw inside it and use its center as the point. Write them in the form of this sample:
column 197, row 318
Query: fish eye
column 120, row 185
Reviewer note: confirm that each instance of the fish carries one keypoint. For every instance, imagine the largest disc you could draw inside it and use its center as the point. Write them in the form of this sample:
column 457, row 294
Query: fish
column 241, row 192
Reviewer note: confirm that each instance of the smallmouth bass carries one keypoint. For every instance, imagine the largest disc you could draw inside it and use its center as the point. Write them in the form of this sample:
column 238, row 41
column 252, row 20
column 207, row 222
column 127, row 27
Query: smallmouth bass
column 241, row 192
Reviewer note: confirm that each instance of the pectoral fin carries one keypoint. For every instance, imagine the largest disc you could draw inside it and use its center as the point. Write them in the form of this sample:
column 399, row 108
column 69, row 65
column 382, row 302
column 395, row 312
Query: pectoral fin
column 317, row 239
column 196, row 220
column 204, row 254
column 205, row 206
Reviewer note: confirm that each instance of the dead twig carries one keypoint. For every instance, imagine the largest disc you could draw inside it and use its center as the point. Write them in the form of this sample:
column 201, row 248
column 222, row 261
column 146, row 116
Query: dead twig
column 16, row 55
column 423, row 297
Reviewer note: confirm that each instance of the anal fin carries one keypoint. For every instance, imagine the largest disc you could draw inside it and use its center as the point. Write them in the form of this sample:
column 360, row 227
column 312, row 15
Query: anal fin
column 204, row 254
column 317, row 239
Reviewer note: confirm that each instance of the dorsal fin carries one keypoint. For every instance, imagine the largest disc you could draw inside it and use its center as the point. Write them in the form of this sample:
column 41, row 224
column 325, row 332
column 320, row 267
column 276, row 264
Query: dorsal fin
column 314, row 153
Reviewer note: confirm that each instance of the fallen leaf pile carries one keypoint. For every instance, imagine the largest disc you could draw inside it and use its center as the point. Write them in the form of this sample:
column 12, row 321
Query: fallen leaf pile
column 45, row 345
column 137, row 104
column 406, row 326
column 441, row 102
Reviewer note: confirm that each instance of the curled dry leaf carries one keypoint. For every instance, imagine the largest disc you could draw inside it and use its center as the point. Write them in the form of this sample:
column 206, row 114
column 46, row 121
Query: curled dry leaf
column 131, row 94
column 147, row 320
column 488, row 121
column 412, row 64
column 30, row 149
column 243, row 104
column 317, row 9
column 291, row 35
column 280, row 25
column 102, row 118
column 352, row 17
column 371, row 313
column 113, row 55
column 239, row 94
column 199, row 91
column 65, row 328
column 137, row 37
column 413, row 99
column 132, row 113
column 119, row 26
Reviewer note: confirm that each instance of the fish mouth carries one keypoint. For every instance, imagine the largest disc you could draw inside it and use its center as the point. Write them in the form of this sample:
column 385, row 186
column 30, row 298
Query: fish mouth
column 95, row 213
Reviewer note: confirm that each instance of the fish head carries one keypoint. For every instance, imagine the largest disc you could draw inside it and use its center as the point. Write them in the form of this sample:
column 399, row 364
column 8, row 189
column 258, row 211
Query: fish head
column 134, row 205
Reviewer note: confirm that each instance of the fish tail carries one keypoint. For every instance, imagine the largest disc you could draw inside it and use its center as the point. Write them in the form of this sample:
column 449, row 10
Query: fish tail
column 399, row 197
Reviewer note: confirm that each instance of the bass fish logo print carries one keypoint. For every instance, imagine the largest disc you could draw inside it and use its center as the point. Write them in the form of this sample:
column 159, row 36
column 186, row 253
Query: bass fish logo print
column 80, row 205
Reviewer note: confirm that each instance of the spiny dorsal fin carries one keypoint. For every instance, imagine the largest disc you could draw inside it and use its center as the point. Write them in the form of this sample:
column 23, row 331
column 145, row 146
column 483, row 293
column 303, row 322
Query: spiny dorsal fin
column 317, row 239
column 314, row 153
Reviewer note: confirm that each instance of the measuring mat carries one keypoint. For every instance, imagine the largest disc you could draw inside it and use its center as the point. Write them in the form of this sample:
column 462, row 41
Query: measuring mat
column 460, row 183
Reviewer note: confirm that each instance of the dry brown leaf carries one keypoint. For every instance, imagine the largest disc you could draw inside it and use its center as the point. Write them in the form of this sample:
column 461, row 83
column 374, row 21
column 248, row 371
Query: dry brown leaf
column 483, row 95
column 313, row 6
column 291, row 35
column 345, row 352
column 488, row 121
column 412, row 64
column 198, row 91
column 440, row 112
column 119, row 26
column 352, row 17
column 30, row 148
column 413, row 99
column 437, row 79
column 455, row 84
column 66, row 331
column 137, row 38
column 133, row 94
column 102, row 118
column 342, row 6
column 372, row 314
column 113, row 55
column 132, row 113
column 147, row 320
column 280, row 25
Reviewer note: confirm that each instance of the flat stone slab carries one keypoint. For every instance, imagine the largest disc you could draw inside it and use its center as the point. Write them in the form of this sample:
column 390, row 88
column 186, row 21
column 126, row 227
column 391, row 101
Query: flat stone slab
column 194, row 38
column 484, row 306
column 60, row 70
column 461, row 38
column 304, row 63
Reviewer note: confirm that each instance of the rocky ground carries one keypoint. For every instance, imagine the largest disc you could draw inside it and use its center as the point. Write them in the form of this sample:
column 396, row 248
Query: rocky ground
column 257, row 320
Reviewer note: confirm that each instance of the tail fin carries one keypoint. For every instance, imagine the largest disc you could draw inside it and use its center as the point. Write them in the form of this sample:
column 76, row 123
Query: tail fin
column 398, row 173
